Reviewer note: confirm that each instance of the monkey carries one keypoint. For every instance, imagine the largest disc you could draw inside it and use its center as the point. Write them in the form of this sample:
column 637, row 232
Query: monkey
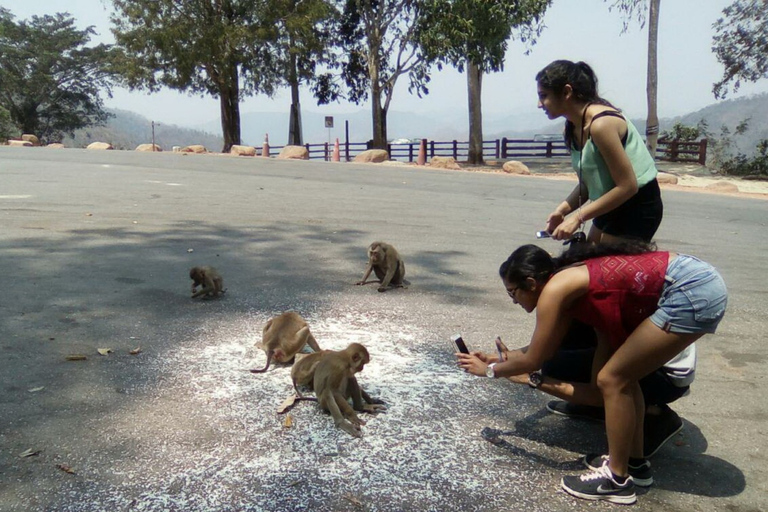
column 334, row 382
column 210, row 280
column 303, row 372
column 303, row 375
column 283, row 336
column 385, row 261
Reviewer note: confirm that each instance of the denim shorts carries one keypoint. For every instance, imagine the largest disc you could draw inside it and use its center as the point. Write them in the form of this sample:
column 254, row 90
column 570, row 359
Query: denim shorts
column 693, row 298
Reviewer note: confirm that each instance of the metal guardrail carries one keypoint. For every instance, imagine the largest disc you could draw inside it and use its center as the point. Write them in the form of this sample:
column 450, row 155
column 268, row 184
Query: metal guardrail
column 504, row 149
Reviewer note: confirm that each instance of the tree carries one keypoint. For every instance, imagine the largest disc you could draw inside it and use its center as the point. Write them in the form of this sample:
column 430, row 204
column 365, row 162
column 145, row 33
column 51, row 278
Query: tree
column 49, row 80
column 8, row 128
column 637, row 8
column 473, row 34
column 379, row 45
column 303, row 34
column 741, row 45
column 200, row 46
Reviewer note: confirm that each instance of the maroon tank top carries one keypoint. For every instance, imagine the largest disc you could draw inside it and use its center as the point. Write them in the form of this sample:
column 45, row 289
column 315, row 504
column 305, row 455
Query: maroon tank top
column 623, row 291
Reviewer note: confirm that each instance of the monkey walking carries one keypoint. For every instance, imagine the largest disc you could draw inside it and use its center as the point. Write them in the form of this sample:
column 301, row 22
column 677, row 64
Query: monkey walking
column 331, row 374
column 384, row 260
column 210, row 280
column 283, row 337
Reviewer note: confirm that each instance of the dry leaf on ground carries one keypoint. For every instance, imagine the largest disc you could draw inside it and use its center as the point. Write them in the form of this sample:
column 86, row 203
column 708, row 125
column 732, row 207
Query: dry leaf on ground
column 66, row 468
column 288, row 423
column 29, row 453
column 135, row 351
column 76, row 357
column 35, row 390
column 351, row 498
column 104, row 351
column 287, row 404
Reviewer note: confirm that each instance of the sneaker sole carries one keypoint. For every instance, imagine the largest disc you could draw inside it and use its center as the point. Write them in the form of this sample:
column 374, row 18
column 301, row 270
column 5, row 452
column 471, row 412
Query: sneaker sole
column 612, row 498
column 670, row 436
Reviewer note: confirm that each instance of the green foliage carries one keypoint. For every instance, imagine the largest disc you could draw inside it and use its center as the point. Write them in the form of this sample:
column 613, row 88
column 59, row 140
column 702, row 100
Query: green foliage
column 741, row 45
column 378, row 39
column 303, row 34
column 630, row 9
column 221, row 48
column 201, row 46
column 477, row 31
column 49, row 79
column 724, row 155
column 681, row 133
column 8, row 128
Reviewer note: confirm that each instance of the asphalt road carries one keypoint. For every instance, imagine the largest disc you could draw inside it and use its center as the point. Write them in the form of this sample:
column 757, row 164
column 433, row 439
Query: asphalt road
column 96, row 247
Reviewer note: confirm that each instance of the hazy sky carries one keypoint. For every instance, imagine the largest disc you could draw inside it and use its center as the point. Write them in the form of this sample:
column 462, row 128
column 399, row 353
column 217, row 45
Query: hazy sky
column 575, row 30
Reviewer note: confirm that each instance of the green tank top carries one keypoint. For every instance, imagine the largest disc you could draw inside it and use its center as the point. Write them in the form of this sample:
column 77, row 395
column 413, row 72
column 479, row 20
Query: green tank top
column 594, row 171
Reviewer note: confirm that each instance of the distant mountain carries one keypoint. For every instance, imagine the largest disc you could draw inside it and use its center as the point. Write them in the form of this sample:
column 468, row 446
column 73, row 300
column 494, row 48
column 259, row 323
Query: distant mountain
column 730, row 113
column 126, row 130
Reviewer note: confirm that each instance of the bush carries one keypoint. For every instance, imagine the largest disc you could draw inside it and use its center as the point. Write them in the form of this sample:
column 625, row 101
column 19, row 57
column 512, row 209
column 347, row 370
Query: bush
column 742, row 165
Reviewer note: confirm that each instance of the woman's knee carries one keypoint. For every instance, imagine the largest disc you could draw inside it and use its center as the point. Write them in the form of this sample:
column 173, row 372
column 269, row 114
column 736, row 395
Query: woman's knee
column 611, row 382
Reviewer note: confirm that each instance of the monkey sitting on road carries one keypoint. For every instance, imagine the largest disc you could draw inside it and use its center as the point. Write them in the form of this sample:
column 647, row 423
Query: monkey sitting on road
column 384, row 260
column 332, row 376
column 283, row 337
column 210, row 280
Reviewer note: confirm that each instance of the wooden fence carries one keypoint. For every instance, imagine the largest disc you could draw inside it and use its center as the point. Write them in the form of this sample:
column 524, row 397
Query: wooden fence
column 500, row 149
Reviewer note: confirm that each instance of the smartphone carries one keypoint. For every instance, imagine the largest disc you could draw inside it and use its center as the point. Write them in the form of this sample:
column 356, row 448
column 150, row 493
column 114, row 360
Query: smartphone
column 460, row 345
column 543, row 234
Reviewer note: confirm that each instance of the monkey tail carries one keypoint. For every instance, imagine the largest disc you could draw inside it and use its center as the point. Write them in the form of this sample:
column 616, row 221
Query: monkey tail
column 266, row 367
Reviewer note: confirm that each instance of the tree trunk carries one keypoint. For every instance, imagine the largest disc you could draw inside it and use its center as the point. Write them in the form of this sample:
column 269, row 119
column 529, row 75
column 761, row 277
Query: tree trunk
column 229, row 101
column 474, row 88
column 652, row 123
column 295, row 137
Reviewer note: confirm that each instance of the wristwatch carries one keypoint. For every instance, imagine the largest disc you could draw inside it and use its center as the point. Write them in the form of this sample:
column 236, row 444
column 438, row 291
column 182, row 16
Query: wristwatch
column 535, row 379
column 489, row 372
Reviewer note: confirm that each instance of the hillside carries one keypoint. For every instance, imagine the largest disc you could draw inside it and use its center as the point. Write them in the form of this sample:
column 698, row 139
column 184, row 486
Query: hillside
column 126, row 130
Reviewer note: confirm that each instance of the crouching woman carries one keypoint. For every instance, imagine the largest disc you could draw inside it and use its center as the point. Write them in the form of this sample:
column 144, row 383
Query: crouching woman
column 645, row 305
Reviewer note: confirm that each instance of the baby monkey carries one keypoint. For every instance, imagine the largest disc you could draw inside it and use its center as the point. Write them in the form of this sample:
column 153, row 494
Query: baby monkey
column 384, row 260
column 210, row 280
column 331, row 374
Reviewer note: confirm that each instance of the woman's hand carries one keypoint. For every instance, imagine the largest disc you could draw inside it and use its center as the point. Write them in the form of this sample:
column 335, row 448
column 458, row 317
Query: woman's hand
column 555, row 219
column 472, row 363
column 567, row 228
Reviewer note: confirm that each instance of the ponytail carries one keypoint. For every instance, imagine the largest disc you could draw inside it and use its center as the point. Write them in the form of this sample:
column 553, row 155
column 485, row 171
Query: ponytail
column 583, row 81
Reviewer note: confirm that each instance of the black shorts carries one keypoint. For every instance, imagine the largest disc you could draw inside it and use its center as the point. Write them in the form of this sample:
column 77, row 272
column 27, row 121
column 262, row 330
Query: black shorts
column 573, row 363
column 639, row 217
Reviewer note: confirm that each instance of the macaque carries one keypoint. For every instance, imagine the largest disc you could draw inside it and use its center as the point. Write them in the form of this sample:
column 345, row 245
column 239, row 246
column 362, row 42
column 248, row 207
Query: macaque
column 210, row 280
column 334, row 383
column 384, row 260
column 283, row 337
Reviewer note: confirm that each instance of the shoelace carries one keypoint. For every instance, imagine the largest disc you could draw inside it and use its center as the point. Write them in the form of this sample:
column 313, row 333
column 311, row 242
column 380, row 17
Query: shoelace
column 601, row 472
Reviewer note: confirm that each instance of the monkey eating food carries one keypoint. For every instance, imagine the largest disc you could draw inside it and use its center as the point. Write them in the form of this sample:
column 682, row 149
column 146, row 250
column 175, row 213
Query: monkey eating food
column 283, row 337
column 384, row 260
column 210, row 280
column 332, row 376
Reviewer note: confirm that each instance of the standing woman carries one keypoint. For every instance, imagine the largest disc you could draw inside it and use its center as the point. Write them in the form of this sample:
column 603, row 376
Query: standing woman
column 617, row 189
column 646, row 306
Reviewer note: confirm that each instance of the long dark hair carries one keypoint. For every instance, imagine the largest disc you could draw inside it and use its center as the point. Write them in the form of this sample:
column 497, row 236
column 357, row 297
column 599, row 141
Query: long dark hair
column 533, row 261
column 583, row 81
